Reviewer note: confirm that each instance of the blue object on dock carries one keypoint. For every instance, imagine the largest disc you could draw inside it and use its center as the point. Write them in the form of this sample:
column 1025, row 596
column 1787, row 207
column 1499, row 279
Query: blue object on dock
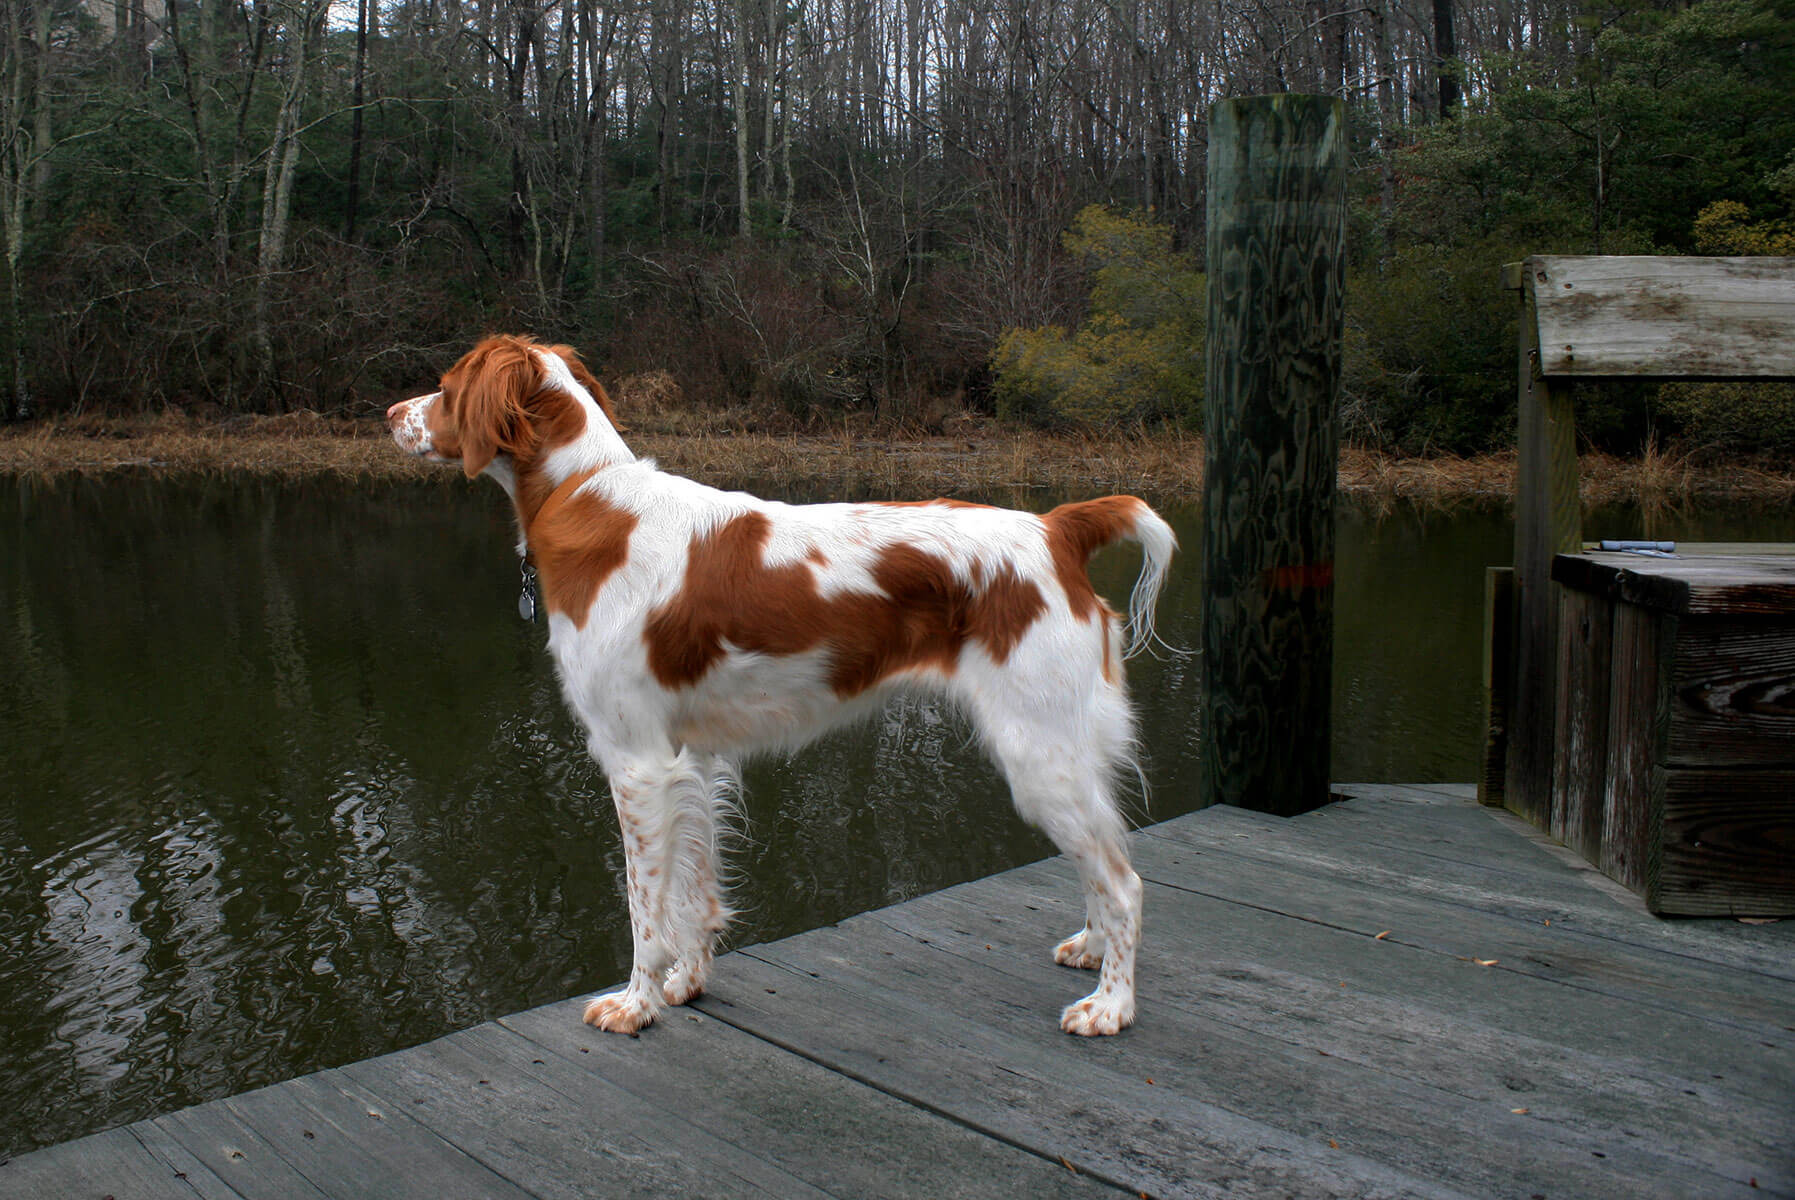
column 1655, row 549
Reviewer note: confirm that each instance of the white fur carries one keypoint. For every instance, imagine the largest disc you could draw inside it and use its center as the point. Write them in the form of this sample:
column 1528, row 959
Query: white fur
column 1053, row 715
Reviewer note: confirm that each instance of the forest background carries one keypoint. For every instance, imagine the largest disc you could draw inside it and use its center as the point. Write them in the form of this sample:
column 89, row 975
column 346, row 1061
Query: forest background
column 841, row 210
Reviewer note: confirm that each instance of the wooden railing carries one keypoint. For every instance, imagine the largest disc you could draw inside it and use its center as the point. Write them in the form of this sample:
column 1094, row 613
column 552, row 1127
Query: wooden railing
column 1588, row 318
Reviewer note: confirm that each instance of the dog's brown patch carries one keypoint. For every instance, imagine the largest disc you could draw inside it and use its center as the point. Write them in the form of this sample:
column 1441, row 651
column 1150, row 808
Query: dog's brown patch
column 1074, row 532
column 578, row 540
column 923, row 616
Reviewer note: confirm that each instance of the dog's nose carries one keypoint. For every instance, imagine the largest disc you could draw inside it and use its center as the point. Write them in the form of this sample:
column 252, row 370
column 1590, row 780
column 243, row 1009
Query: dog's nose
column 396, row 411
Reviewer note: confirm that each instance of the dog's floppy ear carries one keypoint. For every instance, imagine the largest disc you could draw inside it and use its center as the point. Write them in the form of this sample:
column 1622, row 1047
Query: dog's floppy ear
column 486, row 392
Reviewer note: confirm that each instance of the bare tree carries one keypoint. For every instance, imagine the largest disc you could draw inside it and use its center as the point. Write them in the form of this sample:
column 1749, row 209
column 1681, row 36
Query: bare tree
column 20, row 152
column 304, row 27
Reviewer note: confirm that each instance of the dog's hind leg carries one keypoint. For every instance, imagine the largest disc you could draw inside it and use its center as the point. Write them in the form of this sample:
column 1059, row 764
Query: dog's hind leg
column 703, row 797
column 1083, row 823
column 1060, row 775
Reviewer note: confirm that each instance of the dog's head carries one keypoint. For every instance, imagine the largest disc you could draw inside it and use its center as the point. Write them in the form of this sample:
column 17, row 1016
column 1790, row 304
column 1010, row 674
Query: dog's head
column 510, row 398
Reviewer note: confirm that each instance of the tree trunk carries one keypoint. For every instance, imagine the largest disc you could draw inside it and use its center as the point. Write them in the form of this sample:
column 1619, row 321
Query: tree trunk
column 743, row 225
column 597, row 55
column 1385, row 66
column 1446, row 55
column 277, row 188
column 17, row 172
column 516, row 74
column 665, row 67
column 352, row 200
column 43, row 132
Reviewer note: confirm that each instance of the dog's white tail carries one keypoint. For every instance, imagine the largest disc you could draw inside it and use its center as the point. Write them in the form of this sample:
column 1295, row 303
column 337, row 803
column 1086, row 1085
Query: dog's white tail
column 1157, row 542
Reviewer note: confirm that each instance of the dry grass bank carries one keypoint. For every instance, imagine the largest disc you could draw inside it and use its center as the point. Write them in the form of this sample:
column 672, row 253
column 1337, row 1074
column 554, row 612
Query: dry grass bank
column 737, row 450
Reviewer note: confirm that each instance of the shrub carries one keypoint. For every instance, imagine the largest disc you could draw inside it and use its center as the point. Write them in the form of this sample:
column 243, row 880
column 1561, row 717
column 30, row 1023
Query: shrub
column 1726, row 227
column 1139, row 354
column 1430, row 350
column 1737, row 417
column 1732, row 417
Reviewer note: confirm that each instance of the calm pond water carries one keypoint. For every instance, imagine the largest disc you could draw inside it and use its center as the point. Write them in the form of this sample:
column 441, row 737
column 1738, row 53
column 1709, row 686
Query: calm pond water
column 286, row 783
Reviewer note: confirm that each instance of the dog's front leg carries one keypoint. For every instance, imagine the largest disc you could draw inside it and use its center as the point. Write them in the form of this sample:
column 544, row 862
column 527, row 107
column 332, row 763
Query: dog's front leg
column 649, row 851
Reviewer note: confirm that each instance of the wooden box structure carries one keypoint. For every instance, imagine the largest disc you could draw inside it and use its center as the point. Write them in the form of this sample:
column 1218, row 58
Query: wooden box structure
column 1674, row 745
column 1595, row 317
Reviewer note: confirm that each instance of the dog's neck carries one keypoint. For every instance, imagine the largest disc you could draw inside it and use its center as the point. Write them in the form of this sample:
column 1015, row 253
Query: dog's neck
column 571, row 449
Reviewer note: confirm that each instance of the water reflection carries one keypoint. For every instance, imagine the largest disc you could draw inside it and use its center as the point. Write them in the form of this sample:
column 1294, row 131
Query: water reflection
column 285, row 783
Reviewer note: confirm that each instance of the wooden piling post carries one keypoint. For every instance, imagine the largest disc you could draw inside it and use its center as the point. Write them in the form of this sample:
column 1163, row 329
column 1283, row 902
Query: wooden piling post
column 1277, row 281
column 1548, row 521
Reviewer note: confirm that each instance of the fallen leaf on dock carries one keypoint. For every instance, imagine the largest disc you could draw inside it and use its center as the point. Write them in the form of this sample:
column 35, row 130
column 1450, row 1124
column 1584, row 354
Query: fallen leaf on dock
column 1519, row 1112
column 1486, row 962
column 1380, row 937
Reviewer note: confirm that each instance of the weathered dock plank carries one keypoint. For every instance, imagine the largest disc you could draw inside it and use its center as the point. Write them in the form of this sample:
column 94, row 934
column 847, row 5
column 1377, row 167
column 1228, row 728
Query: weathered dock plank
column 1391, row 1009
column 320, row 1135
column 817, row 1123
column 1402, row 995
column 1415, row 1120
column 1441, row 915
column 559, row 1131
column 115, row 1163
column 1438, row 853
column 907, row 1031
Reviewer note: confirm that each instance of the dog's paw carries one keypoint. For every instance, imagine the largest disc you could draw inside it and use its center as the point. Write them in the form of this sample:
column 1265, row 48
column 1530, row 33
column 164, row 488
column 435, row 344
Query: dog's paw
column 685, row 982
column 1075, row 952
column 1098, row 1015
column 619, row 1012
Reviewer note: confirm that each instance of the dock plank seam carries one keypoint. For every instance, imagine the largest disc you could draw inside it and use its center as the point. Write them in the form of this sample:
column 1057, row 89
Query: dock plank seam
column 215, row 1189
column 717, row 1013
column 1013, row 945
column 1255, row 1152
column 1296, row 860
column 389, row 1117
column 1744, row 1027
column 704, row 1133
column 1421, row 1094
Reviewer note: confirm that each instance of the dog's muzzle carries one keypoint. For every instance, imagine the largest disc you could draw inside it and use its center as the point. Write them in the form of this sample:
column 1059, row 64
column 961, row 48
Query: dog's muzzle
column 406, row 420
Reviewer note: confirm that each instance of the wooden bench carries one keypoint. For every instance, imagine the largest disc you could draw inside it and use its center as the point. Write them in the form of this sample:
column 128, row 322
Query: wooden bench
column 1585, row 318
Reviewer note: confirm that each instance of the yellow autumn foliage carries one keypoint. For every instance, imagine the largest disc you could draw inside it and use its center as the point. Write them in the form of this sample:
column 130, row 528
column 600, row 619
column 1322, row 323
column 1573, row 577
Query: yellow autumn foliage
column 1138, row 355
column 1726, row 227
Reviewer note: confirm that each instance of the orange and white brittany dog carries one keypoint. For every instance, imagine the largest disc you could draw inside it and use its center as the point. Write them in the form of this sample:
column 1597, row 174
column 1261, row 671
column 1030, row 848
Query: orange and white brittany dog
column 692, row 627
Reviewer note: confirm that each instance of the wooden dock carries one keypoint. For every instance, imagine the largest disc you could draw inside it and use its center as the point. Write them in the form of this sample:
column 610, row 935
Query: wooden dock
column 1402, row 994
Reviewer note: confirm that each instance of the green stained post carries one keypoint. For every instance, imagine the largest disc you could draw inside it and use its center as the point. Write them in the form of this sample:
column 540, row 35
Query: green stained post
column 1277, row 282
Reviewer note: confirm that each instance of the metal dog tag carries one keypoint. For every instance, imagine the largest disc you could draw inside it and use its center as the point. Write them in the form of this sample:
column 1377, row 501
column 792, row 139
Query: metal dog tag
column 526, row 598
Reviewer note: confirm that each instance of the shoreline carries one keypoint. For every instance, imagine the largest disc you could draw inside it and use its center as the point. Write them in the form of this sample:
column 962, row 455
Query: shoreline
column 727, row 451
